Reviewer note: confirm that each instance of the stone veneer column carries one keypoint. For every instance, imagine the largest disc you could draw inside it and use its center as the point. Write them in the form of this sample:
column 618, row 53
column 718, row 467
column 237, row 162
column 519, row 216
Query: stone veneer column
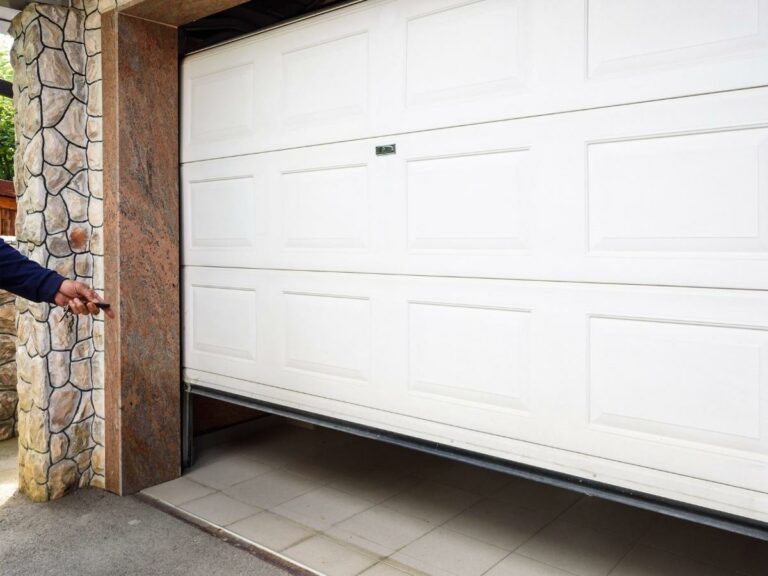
column 57, row 89
column 8, row 396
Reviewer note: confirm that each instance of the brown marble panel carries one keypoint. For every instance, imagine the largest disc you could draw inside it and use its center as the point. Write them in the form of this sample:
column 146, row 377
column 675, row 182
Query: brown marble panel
column 141, row 188
column 176, row 12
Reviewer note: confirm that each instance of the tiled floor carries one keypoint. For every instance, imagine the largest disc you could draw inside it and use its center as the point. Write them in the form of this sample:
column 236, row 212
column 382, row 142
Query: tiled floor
column 344, row 506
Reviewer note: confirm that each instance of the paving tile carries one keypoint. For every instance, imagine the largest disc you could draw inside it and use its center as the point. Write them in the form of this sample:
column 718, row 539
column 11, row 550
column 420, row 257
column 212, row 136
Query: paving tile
column 270, row 530
column 381, row 530
column 320, row 469
column 178, row 491
column 504, row 525
column 211, row 454
column 271, row 489
column 219, row 509
column 322, row 508
column 603, row 514
column 278, row 449
column 445, row 552
column 375, row 484
column 648, row 561
column 227, row 471
column 516, row 565
column 536, row 496
column 432, row 502
column 329, row 557
column 386, row 569
column 577, row 548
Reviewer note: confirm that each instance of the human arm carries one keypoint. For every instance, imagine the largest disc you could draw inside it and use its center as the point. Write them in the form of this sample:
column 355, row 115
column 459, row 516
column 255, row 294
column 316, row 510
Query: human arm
column 22, row 276
column 26, row 278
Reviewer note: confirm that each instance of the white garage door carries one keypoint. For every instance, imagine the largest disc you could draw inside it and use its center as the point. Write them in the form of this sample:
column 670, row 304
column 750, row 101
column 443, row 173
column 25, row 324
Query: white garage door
column 565, row 263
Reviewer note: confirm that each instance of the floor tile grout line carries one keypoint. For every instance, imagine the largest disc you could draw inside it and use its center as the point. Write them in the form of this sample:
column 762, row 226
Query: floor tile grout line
column 423, row 479
column 443, row 524
column 624, row 556
column 548, row 524
column 383, row 503
column 539, row 531
column 352, row 547
column 323, row 532
column 431, row 477
column 636, row 544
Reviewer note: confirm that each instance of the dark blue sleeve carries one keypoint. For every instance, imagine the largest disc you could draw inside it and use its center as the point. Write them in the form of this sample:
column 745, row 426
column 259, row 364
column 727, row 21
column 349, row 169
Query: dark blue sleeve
column 25, row 278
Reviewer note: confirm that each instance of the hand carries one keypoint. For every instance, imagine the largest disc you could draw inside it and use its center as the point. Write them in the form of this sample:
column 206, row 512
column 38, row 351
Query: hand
column 80, row 298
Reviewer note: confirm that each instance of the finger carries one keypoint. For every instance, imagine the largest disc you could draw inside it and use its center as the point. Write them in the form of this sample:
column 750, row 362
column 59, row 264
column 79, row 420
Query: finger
column 110, row 313
column 93, row 296
column 92, row 308
column 87, row 292
column 77, row 306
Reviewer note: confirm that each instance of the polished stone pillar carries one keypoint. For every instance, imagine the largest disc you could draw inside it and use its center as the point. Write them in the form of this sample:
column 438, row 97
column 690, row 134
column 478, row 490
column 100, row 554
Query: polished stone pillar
column 141, row 192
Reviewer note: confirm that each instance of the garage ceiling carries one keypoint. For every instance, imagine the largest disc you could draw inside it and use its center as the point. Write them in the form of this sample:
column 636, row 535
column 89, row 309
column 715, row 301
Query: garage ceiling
column 238, row 21
column 245, row 19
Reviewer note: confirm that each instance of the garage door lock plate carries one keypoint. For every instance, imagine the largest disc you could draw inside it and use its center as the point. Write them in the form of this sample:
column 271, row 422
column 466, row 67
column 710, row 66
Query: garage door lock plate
column 386, row 150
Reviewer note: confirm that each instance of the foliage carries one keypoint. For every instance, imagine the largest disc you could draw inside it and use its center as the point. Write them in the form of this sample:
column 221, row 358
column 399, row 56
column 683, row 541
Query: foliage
column 7, row 128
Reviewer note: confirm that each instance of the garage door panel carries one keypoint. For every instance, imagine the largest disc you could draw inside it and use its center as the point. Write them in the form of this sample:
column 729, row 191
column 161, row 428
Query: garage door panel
column 326, row 208
column 326, row 81
column 328, row 334
column 561, row 251
column 634, row 35
column 471, row 201
column 448, row 47
column 224, row 209
column 475, row 353
column 398, row 66
column 223, row 322
column 655, row 377
column 676, row 379
column 671, row 192
column 699, row 192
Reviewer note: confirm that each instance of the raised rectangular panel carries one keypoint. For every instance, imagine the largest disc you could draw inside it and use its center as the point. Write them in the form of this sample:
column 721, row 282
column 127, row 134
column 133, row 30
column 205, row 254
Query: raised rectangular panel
column 222, row 104
column 223, row 213
column 701, row 192
column 326, row 208
column 468, row 202
column 328, row 335
column 464, row 50
column 327, row 80
column 470, row 353
column 224, row 321
column 628, row 35
column 677, row 379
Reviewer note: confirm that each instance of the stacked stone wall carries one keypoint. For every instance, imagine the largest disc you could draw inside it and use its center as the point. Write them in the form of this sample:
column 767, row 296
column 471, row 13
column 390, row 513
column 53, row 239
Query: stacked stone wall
column 57, row 90
column 8, row 396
